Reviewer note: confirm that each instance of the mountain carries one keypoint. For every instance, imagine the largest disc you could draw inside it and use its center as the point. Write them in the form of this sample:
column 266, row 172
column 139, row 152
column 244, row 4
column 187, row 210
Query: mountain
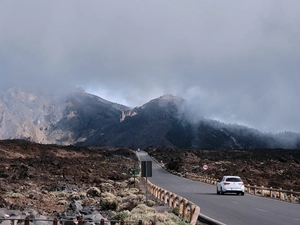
column 47, row 118
column 79, row 118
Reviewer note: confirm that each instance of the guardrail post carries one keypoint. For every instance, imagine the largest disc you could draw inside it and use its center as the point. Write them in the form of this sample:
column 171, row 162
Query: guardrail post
column 262, row 191
column 140, row 222
column 280, row 194
column 271, row 192
column 192, row 209
column 102, row 222
column 185, row 208
column 170, row 199
column 248, row 188
column 159, row 194
column 163, row 195
column 254, row 191
column 55, row 221
column 174, row 201
column 80, row 221
column 122, row 222
column 179, row 205
column 167, row 196
column 26, row 221
column 291, row 195
column 194, row 215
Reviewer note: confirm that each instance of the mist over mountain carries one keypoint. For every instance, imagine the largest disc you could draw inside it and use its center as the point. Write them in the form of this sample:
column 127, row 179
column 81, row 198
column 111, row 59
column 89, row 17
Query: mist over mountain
column 75, row 117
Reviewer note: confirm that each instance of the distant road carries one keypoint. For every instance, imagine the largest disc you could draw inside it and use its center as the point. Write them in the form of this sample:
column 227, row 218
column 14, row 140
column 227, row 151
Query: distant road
column 229, row 209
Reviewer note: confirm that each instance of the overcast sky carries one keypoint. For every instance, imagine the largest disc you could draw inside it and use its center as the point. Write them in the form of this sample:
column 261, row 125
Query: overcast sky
column 239, row 61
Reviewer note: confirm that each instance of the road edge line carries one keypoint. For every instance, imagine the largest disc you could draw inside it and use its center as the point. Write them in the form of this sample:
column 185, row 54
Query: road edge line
column 209, row 220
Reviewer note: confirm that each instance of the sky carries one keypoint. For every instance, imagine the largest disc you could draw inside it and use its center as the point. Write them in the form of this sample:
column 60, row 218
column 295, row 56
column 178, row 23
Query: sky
column 236, row 61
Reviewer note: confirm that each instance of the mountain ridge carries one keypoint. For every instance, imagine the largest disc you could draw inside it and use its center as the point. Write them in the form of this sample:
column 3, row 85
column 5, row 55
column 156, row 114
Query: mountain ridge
column 79, row 118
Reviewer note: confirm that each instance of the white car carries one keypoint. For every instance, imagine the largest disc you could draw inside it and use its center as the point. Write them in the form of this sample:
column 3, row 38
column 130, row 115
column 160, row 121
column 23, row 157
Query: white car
column 231, row 184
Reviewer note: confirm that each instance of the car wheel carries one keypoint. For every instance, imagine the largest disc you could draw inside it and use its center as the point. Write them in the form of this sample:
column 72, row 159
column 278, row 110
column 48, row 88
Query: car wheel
column 222, row 193
column 242, row 193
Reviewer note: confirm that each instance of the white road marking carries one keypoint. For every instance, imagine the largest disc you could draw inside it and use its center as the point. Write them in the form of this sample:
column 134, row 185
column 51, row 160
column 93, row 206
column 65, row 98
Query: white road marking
column 261, row 210
column 235, row 202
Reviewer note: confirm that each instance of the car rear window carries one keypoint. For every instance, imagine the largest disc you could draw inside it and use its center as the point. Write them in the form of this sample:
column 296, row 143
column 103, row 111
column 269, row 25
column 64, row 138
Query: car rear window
column 233, row 179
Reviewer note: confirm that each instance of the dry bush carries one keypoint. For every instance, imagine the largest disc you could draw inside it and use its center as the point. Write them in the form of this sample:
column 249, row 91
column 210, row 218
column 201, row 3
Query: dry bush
column 109, row 201
column 14, row 195
column 62, row 202
column 75, row 196
column 151, row 216
column 59, row 194
column 128, row 192
column 93, row 192
column 150, row 203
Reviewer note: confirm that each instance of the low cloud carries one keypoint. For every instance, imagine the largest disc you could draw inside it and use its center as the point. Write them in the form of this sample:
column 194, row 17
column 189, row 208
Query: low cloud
column 234, row 62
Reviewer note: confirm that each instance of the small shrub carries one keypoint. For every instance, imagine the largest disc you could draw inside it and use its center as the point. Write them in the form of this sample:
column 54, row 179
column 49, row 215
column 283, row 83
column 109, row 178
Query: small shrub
column 175, row 211
column 106, row 185
column 150, row 203
column 108, row 204
column 119, row 216
column 142, row 209
column 62, row 202
column 128, row 203
column 14, row 195
column 75, row 196
column 59, row 194
column 132, row 181
column 128, row 192
column 108, row 195
column 93, row 192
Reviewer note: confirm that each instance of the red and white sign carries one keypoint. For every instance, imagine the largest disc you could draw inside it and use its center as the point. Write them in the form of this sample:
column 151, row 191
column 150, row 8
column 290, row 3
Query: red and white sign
column 205, row 167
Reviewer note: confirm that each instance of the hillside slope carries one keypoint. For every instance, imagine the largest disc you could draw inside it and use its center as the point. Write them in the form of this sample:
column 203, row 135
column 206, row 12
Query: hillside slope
column 79, row 118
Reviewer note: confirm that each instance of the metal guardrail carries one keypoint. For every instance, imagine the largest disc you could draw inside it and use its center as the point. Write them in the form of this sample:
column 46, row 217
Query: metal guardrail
column 186, row 208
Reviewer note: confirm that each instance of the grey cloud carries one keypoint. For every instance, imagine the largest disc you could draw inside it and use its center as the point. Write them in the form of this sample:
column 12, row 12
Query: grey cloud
column 236, row 61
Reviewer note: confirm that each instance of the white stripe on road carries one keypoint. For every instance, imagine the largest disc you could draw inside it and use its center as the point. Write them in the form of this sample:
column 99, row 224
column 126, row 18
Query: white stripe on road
column 261, row 210
column 235, row 202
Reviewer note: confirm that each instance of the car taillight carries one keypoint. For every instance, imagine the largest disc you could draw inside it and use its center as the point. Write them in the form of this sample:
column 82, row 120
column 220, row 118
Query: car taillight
column 226, row 183
column 242, row 183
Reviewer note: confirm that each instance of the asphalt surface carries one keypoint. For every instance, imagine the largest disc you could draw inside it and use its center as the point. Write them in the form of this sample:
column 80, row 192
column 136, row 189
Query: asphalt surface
column 228, row 209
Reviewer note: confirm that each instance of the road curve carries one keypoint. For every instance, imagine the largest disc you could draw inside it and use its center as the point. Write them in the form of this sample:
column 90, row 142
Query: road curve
column 228, row 209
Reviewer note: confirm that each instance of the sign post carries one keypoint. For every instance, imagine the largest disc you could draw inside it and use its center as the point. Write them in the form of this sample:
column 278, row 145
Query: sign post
column 134, row 171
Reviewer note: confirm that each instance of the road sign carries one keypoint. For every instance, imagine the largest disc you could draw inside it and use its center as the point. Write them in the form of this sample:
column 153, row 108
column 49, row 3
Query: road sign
column 205, row 167
column 146, row 168
column 146, row 172
column 134, row 172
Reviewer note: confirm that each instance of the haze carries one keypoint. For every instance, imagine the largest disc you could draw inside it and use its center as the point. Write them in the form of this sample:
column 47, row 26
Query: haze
column 234, row 61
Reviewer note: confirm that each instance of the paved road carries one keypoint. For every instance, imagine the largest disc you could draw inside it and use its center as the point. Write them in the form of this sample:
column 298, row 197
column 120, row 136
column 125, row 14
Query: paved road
column 229, row 209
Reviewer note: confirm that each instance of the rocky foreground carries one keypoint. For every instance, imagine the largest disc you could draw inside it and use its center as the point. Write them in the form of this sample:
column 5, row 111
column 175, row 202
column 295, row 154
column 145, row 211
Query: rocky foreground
column 69, row 183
